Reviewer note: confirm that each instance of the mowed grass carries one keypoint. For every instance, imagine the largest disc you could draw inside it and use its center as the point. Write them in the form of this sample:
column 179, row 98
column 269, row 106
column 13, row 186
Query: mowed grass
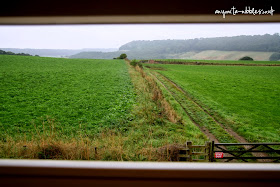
column 246, row 96
column 77, row 95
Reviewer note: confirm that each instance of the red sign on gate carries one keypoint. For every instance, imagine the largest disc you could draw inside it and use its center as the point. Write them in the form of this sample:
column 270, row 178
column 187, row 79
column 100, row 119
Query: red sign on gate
column 219, row 155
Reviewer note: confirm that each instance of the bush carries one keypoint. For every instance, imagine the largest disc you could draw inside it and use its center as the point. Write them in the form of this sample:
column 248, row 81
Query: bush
column 140, row 64
column 134, row 63
column 246, row 58
column 123, row 56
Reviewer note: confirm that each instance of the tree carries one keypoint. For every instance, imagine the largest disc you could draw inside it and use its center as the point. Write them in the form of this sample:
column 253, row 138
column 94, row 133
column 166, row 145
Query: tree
column 2, row 52
column 122, row 56
column 10, row 53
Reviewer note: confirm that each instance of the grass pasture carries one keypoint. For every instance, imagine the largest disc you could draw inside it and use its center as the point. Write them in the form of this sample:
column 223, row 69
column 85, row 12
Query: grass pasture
column 245, row 97
column 76, row 94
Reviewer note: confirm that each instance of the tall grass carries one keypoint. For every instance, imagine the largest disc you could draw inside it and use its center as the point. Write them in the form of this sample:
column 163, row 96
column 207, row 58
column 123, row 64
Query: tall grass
column 158, row 97
column 107, row 145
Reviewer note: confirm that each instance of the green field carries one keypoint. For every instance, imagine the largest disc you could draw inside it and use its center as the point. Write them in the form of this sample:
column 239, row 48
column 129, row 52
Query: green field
column 76, row 94
column 245, row 97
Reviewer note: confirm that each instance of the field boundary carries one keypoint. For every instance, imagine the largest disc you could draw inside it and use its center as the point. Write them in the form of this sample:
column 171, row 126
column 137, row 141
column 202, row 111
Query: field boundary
column 202, row 129
column 208, row 64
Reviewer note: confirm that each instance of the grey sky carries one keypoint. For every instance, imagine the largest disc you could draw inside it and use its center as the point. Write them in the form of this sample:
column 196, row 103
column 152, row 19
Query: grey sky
column 113, row 36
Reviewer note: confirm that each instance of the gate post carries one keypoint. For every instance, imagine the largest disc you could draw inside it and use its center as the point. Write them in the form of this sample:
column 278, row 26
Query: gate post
column 212, row 151
column 189, row 151
column 208, row 151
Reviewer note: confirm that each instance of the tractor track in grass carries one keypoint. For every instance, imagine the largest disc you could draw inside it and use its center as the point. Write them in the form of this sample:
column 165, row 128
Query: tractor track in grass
column 202, row 129
column 227, row 129
column 212, row 137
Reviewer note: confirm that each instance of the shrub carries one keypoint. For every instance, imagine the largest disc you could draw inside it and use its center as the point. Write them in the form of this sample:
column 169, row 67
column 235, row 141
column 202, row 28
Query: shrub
column 246, row 58
column 133, row 63
column 140, row 64
column 123, row 56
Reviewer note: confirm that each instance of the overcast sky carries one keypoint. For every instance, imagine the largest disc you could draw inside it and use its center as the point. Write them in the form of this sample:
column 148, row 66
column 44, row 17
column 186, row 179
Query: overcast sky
column 113, row 36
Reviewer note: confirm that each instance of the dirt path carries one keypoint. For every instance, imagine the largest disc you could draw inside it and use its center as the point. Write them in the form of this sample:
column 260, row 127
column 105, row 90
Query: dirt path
column 202, row 129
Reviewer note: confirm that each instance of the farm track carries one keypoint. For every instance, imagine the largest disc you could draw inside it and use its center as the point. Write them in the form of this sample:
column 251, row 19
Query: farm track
column 211, row 136
column 227, row 129
column 202, row 129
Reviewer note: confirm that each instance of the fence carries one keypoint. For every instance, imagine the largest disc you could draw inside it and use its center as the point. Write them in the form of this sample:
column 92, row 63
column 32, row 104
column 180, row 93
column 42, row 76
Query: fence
column 227, row 152
column 247, row 152
column 195, row 153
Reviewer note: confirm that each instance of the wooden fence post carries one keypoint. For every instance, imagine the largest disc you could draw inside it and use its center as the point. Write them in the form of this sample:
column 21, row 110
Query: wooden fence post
column 189, row 151
column 208, row 151
column 212, row 151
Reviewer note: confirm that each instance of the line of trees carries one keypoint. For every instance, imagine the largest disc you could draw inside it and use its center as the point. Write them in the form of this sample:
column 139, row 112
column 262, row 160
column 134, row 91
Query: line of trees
column 11, row 53
column 263, row 43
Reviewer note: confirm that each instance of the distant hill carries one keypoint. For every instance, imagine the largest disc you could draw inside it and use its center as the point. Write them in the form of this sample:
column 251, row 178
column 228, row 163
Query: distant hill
column 263, row 43
column 212, row 48
column 130, row 54
column 224, row 55
column 56, row 52
column 97, row 55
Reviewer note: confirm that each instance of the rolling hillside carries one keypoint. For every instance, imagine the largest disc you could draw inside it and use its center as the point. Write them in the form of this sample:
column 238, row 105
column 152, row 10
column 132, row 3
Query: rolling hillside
column 259, row 47
column 224, row 55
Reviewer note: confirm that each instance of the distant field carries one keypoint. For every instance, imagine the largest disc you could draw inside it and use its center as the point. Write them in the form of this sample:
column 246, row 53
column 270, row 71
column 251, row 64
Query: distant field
column 224, row 55
column 77, row 94
column 221, row 61
column 247, row 97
